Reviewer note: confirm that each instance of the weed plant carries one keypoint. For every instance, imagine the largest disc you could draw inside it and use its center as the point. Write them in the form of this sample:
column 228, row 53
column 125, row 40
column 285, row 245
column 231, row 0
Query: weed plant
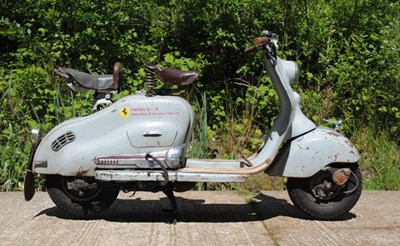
column 237, row 137
column 380, row 156
column 380, row 159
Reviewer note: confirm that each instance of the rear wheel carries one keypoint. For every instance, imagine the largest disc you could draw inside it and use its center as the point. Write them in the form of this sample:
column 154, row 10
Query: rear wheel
column 80, row 197
column 321, row 198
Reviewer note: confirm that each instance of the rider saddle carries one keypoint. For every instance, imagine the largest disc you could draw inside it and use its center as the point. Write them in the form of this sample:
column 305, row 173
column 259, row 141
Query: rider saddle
column 172, row 76
column 110, row 82
column 106, row 85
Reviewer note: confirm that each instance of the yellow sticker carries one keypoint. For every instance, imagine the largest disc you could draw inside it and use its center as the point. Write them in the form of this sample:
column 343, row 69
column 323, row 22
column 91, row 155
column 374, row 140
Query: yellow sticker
column 124, row 112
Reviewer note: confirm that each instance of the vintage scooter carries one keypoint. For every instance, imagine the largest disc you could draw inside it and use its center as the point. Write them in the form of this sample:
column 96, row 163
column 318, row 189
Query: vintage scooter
column 139, row 143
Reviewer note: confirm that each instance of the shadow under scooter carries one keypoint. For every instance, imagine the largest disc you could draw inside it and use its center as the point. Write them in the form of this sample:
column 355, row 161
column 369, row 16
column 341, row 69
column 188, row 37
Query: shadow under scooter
column 189, row 210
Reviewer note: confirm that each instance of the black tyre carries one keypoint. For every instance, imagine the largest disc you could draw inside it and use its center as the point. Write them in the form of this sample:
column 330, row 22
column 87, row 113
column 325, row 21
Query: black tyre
column 80, row 197
column 329, row 202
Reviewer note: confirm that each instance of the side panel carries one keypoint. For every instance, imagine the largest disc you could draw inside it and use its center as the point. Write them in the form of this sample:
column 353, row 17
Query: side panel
column 306, row 155
column 133, row 125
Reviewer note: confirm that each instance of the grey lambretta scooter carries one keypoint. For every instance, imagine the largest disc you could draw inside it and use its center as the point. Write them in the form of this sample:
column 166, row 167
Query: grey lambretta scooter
column 140, row 143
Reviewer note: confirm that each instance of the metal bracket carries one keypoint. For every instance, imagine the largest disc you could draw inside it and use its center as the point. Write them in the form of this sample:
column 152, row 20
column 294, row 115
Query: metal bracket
column 337, row 124
column 163, row 167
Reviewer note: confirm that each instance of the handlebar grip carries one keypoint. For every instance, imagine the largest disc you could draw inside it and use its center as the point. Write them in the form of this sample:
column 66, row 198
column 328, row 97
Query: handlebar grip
column 260, row 40
column 257, row 43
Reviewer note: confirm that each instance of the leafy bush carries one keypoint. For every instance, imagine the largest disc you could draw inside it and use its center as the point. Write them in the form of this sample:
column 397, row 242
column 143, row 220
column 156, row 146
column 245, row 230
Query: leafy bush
column 348, row 53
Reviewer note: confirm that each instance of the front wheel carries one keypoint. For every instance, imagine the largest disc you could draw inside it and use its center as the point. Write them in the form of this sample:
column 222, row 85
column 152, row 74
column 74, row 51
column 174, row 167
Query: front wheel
column 321, row 198
column 78, row 196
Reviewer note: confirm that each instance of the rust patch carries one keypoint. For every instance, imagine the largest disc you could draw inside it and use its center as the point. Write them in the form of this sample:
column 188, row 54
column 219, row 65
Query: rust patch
column 336, row 157
column 349, row 143
column 334, row 134
column 267, row 162
column 82, row 173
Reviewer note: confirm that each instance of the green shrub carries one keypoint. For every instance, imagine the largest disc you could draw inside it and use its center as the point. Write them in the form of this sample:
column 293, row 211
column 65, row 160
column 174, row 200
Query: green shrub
column 347, row 51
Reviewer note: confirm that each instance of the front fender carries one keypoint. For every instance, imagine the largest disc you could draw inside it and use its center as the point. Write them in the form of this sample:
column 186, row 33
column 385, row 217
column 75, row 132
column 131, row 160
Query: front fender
column 307, row 154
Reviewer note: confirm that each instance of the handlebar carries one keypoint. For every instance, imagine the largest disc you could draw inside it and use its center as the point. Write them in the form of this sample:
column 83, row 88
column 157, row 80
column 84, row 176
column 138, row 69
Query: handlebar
column 267, row 38
column 259, row 41
column 250, row 49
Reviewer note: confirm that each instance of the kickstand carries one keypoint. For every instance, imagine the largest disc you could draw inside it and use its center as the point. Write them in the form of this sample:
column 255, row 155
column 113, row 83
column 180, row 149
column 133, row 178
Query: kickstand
column 169, row 192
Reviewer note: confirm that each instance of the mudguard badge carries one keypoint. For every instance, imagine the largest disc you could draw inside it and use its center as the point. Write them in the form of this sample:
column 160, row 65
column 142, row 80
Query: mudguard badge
column 124, row 112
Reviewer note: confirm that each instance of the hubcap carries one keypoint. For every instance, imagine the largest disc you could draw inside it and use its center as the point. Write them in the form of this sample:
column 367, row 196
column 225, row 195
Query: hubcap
column 323, row 188
column 80, row 189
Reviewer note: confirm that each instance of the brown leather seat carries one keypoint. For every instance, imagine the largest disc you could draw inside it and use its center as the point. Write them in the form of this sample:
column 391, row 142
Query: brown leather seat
column 173, row 76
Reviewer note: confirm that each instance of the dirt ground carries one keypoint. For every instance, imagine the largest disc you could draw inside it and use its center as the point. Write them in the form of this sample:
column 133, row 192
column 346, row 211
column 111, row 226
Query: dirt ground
column 204, row 218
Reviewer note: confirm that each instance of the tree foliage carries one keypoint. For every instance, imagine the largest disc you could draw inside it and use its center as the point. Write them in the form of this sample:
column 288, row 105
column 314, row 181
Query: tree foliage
column 348, row 53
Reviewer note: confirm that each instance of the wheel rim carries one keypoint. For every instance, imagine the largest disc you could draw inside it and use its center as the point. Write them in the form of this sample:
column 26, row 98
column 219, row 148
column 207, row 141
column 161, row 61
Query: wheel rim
column 336, row 199
column 324, row 190
column 85, row 192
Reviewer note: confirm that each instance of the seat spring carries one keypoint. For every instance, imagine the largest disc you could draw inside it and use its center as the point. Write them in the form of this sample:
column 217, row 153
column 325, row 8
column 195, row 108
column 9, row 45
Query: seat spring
column 150, row 82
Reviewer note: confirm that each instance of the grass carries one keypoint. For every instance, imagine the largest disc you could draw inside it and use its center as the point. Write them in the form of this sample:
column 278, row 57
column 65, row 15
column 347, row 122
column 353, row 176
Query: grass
column 202, row 148
column 13, row 152
column 379, row 162
column 380, row 159
column 13, row 160
column 16, row 121
column 199, row 144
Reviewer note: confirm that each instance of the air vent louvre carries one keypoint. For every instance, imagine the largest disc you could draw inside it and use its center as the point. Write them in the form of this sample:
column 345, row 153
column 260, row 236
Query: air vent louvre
column 63, row 140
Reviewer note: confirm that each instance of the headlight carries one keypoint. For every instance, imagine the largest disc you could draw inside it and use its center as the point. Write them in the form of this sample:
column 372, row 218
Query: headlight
column 291, row 71
column 294, row 69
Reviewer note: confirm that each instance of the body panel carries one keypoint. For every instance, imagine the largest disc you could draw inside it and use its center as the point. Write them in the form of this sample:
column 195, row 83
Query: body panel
column 306, row 155
column 290, row 123
column 173, row 175
column 133, row 125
